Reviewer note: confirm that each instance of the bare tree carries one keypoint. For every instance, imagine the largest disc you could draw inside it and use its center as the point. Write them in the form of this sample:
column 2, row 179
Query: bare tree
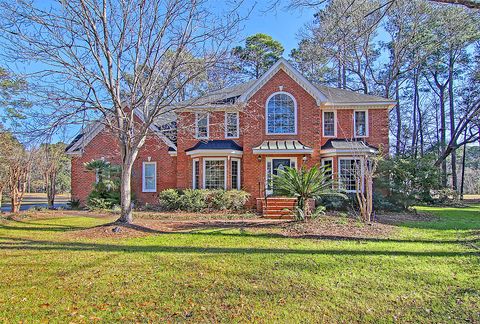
column 125, row 62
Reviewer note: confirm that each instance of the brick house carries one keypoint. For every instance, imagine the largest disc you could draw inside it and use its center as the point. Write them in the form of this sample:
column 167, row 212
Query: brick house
column 239, row 136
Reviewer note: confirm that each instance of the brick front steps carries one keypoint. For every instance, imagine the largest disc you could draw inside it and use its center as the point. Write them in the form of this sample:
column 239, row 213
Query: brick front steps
column 277, row 207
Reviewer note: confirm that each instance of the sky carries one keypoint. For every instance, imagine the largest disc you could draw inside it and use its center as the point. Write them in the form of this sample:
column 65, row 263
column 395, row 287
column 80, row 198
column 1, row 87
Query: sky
column 282, row 24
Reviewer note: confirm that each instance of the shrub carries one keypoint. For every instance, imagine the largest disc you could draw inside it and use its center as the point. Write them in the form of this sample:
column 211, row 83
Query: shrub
column 74, row 204
column 236, row 199
column 405, row 181
column 106, row 192
column 195, row 200
column 169, row 199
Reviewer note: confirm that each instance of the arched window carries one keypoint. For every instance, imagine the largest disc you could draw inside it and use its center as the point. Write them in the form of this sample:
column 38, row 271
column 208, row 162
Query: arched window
column 281, row 113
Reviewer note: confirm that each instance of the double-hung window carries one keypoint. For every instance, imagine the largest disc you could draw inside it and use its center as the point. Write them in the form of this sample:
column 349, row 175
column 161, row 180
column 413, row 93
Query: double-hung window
column 235, row 173
column 327, row 164
column 350, row 174
column 196, row 174
column 360, row 121
column 329, row 125
column 201, row 125
column 281, row 114
column 149, row 177
column 214, row 174
column 231, row 125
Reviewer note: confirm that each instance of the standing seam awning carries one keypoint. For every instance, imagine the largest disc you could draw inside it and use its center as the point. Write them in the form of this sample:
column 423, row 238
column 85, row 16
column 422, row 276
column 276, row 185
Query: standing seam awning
column 285, row 146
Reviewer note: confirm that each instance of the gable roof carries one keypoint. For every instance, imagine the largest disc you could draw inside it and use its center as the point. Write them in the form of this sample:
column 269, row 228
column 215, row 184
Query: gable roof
column 328, row 96
column 164, row 128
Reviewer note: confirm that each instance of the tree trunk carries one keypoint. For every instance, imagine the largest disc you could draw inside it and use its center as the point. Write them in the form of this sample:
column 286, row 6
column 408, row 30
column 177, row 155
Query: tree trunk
column 452, row 120
column 399, row 119
column 443, row 137
column 415, row 110
column 464, row 157
column 51, row 191
column 128, row 158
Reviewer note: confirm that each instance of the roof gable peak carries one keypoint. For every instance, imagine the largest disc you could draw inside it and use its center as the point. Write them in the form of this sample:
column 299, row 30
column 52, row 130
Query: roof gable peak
column 283, row 64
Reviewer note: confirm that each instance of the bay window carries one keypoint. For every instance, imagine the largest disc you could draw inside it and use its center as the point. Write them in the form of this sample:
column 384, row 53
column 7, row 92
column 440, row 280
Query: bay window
column 214, row 174
column 350, row 173
column 235, row 173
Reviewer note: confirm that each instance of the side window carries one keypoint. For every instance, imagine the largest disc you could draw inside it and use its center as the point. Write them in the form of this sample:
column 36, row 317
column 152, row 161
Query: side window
column 196, row 174
column 149, row 177
column 361, row 123
column 231, row 124
column 328, row 165
column 201, row 125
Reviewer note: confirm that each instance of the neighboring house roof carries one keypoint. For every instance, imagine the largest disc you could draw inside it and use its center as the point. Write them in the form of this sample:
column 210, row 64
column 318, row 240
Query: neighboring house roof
column 227, row 147
column 351, row 146
column 279, row 147
column 328, row 96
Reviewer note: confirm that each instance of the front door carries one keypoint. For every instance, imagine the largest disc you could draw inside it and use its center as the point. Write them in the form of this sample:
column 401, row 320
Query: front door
column 273, row 165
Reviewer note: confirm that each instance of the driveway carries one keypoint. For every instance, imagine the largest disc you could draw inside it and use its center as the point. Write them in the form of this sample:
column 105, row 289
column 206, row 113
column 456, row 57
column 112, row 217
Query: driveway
column 38, row 200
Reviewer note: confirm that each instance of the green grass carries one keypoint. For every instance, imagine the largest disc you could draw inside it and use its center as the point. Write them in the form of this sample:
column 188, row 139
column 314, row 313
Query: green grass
column 428, row 272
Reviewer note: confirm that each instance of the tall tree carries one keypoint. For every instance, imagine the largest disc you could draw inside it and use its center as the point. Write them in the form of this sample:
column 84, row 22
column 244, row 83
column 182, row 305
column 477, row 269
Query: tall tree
column 113, row 60
column 51, row 162
column 260, row 52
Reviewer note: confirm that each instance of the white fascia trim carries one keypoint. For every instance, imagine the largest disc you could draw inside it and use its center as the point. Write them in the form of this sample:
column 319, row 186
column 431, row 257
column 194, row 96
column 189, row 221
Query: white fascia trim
column 258, row 151
column 215, row 153
column 371, row 105
column 293, row 73
column 97, row 127
column 172, row 153
column 227, row 107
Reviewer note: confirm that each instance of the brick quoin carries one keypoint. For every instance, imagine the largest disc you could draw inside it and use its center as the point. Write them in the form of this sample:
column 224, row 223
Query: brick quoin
column 176, row 172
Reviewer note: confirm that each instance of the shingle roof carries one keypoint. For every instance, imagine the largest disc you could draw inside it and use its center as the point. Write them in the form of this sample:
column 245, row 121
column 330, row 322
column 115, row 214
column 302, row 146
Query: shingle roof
column 216, row 145
column 346, row 144
column 336, row 95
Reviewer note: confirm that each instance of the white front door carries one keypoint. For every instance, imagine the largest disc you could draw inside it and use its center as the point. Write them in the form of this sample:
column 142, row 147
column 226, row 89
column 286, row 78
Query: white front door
column 273, row 165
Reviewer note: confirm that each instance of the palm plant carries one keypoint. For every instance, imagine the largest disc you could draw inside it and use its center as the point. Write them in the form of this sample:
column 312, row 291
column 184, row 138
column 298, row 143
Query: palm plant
column 305, row 184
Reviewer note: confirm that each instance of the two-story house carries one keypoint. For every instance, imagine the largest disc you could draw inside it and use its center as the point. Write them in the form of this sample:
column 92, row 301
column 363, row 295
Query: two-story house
column 240, row 136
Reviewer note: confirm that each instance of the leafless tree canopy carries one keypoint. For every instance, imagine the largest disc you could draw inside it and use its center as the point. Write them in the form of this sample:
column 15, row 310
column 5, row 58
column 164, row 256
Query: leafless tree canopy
column 113, row 59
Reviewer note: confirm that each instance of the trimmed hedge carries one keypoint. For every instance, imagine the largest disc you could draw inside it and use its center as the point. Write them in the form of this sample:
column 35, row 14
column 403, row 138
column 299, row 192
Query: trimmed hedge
column 195, row 200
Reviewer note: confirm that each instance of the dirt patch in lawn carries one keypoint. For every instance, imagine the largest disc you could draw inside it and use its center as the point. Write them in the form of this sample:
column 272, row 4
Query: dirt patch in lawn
column 144, row 227
column 335, row 227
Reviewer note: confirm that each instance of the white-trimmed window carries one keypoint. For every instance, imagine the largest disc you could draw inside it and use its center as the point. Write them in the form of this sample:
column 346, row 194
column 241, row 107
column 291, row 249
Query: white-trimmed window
column 235, row 173
column 149, row 177
column 281, row 114
column 202, row 125
column 196, row 174
column 350, row 172
column 360, row 123
column 214, row 173
column 328, row 165
column 329, row 123
column 231, row 125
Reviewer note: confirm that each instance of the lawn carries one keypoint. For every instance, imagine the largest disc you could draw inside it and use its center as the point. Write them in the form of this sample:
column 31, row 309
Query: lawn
column 426, row 272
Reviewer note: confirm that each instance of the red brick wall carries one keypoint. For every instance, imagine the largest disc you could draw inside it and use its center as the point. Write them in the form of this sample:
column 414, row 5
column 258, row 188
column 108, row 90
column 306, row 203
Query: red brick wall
column 105, row 145
column 177, row 171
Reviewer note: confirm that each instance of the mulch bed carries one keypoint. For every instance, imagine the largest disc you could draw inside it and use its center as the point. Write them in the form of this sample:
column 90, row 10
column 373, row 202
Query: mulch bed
column 335, row 227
